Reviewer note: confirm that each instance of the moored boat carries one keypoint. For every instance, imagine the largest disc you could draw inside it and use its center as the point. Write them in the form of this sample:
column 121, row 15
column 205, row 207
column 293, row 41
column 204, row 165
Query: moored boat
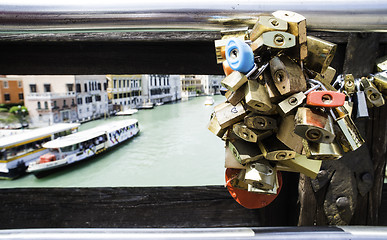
column 209, row 101
column 83, row 145
column 127, row 112
column 19, row 150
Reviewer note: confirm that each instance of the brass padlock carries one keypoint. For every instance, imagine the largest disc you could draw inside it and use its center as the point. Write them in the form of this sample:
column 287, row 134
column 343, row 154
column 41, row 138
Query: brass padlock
column 286, row 106
column 273, row 191
column 287, row 75
column 297, row 27
column 320, row 54
column 237, row 181
column 349, row 83
column 287, row 136
column 250, row 135
column 235, row 97
column 350, row 137
column 227, row 114
column 234, row 81
column 322, row 151
column 313, row 125
column 220, row 45
column 274, row 149
column 256, row 96
column 230, row 161
column 274, row 39
column 215, row 127
column 274, row 95
column 302, row 165
column 381, row 64
column 326, row 78
column 380, row 81
column 372, row 93
column 261, row 175
column 266, row 24
column 244, row 152
column 260, row 122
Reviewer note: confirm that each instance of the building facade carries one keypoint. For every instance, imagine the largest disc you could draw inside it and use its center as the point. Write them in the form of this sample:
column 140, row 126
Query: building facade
column 161, row 88
column 125, row 91
column 11, row 90
column 91, row 96
column 211, row 84
column 50, row 99
column 191, row 85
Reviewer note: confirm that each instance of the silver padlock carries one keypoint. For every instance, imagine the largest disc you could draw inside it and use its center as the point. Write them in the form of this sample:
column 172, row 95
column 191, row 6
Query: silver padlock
column 266, row 24
column 261, row 175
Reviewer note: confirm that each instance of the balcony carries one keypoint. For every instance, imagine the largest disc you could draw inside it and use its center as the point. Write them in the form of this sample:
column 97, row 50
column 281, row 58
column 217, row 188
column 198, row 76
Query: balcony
column 49, row 95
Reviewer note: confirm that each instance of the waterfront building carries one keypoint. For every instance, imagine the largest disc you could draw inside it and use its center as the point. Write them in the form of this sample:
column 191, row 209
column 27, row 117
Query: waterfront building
column 161, row 88
column 125, row 91
column 11, row 90
column 50, row 99
column 211, row 84
column 91, row 96
column 191, row 85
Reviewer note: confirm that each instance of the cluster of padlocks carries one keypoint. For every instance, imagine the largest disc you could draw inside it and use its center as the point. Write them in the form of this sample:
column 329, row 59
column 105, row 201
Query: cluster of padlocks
column 282, row 113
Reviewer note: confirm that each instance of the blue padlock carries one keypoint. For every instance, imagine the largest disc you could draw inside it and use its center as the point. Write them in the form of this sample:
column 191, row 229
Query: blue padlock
column 239, row 55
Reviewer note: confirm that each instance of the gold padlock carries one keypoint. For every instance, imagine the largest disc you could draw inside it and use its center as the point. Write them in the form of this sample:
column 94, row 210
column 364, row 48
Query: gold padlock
column 297, row 27
column 326, row 78
column 322, row 151
column 250, row 135
column 291, row 103
column 244, row 152
column 227, row 114
column 349, row 83
column 215, row 127
column 381, row 64
column 234, row 81
column 274, row 95
column 349, row 136
column 313, row 125
column 274, row 149
column 235, row 97
column 266, row 24
column 287, row 75
column 320, row 54
column 237, row 181
column 256, row 96
column 372, row 93
column 260, row 122
column 220, row 45
column 230, row 161
column 261, row 175
column 287, row 136
column 302, row 165
column 253, row 189
column 274, row 39
column 380, row 81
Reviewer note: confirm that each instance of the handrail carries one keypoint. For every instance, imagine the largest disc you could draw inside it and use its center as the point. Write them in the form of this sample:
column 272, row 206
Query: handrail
column 171, row 15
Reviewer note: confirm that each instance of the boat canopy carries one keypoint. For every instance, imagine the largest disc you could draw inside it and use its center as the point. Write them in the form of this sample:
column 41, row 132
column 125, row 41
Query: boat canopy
column 89, row 134
column 36, row 134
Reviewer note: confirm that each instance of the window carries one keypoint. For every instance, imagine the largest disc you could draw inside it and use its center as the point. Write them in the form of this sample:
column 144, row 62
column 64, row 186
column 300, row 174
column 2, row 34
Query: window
column 78, row 87
column 127, row 82
column 115, row 96
column 99, row 86
column 70, row 87
column 47, row 88
column 119, row 83
column 33, row 88
column 123, row 83
column 54, row 104
column 39, row 107
column 105, row 86
column 114, row 83
column 46, row 105
column 98, row 98
column 79, row 101
column 19, row 84
column 85, row 87
column 21, row 96
column 64, row 103
column 7, row 97
column 73, row 102
column 5, row 83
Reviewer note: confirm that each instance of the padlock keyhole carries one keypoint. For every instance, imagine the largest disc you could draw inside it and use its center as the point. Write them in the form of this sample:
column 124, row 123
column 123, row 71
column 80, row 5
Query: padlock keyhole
column 326, row 98
column 313, row 134
column 234, row 53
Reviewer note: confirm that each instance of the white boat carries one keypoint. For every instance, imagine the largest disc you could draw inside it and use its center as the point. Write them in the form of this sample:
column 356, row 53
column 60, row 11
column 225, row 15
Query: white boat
column 127, row 112
column 18, row 151
column 159, row 103
column 147, row 105
column 83, row 145
column 209, row 101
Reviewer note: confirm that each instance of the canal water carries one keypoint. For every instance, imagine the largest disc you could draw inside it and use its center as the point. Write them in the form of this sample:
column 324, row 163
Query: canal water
column 174, row 148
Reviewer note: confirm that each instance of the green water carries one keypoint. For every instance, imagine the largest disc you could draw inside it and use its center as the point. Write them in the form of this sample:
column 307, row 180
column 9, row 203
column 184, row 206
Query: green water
column 174, row 148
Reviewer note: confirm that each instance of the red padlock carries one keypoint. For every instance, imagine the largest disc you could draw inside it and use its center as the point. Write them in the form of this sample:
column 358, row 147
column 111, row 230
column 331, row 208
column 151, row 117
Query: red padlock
column 249, row 199
column 325, row 99
column 226, row 68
